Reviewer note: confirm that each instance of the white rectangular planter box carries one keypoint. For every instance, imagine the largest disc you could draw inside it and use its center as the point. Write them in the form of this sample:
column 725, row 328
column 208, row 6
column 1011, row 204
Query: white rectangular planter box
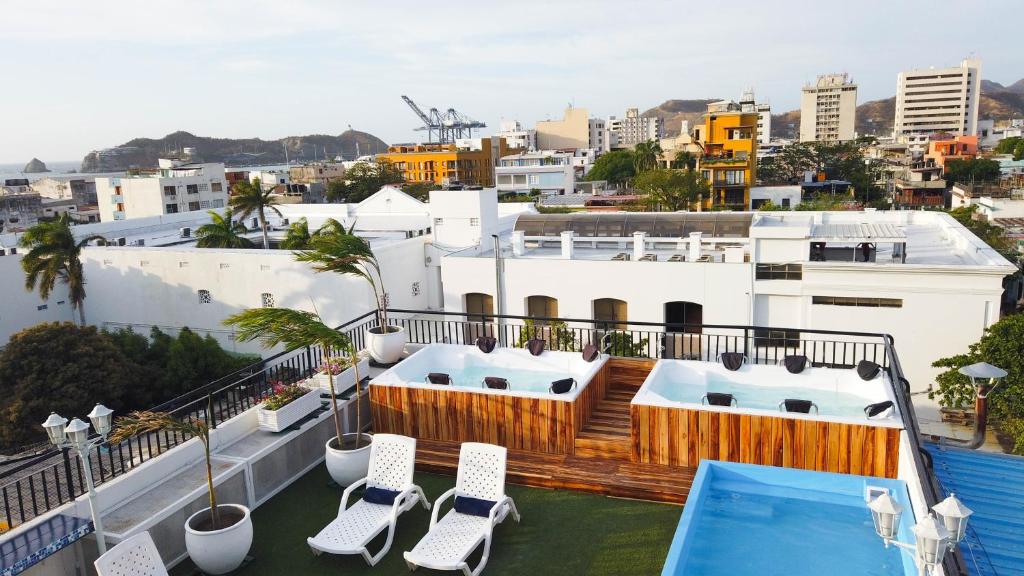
column 285, row 416
column 343, row 381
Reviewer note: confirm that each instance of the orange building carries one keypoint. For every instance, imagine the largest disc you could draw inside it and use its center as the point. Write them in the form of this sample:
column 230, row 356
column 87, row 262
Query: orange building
column 729, row 163
column 469, row 161
column 957, row 148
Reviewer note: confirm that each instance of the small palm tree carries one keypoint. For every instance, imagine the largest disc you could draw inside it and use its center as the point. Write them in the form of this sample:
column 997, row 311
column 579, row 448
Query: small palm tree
column 297, row 237
column 346, row 253
column 54, row 254
column 645, row 156
column 222, row 232
column 145, row 422
column 332, row 226
column 295, row 329
column 249, row 197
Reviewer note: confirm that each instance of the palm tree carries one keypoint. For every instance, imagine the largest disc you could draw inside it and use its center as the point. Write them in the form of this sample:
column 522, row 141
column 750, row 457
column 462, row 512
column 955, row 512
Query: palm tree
column 53, row 254
column 295, row 329
column 248, row 198
column 346, row 253
column 684, row 159
column 332, row 226
column 645, row 156
column 222, row 232
column 297, row 237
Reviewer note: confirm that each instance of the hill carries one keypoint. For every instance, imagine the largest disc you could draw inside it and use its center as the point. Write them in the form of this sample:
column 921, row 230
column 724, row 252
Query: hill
column 875, row 117
column 144, row 152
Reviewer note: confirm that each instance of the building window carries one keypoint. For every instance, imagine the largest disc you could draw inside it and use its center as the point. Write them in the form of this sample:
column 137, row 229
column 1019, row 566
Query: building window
column 610, row 313
column 204, row 297
column 219, row 203
column 170, row 190
column 171, row 208
column 267, row 300
column 541, row 307
column 474, row 221
column 192, row 206
column 415, row 288
column 216, row 186
column 771, row 338
column 779, row 272
column 192, row 188
column 42, row 307
column 858, row 302
column 204, row 204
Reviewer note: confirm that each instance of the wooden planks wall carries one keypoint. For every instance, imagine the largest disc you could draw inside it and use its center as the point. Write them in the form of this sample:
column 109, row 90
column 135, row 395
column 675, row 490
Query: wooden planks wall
column 683, row 437
column 535, row 424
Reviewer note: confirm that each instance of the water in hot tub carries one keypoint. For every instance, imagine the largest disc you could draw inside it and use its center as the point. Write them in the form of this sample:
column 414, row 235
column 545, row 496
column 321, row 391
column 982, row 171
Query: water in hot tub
column 830, row 402
column 519, row 380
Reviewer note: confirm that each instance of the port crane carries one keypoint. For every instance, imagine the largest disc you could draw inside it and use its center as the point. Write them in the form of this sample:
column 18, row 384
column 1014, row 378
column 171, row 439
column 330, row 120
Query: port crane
column 444, row 128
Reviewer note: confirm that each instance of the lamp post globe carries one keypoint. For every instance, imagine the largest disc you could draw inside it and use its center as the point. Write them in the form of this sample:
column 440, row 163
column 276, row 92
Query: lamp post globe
column 885, row 513
column 55, row 429
column 102, row 419
column 931, row 539
column 953, row 515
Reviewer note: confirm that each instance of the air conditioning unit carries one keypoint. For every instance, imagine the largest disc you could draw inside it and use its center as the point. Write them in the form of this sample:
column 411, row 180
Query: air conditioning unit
column 139, row 242
column 186, row 232
column 120, row 241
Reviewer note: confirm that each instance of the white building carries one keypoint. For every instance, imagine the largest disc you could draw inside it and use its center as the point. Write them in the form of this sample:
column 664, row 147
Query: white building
column 176, row 187
column 787, row 196
column 550, row 172
column 270, row 178
column 939, row 100
column 633, row 129
column 516, row 136
column 828, row 109
column 764, row 116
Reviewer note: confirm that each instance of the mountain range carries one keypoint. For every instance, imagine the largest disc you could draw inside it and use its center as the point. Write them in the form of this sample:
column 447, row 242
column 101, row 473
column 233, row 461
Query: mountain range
column 875, row 117
column 144, row 152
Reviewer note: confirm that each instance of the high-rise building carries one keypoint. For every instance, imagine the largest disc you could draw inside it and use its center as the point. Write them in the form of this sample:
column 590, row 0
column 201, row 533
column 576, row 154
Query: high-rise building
column 764, row 116
column 939, row 100
column 516, row 136
column 729, row 163
column 828, row 109
column 576, row 130
column 176, row 187
column 633, row 129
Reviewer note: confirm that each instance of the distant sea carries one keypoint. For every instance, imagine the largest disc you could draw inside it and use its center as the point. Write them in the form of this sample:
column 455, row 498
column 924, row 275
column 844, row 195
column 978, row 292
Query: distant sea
column 70, row 170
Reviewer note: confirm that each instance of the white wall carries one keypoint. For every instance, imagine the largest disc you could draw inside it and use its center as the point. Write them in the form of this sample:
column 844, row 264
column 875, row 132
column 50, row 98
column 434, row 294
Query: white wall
column 19, row 307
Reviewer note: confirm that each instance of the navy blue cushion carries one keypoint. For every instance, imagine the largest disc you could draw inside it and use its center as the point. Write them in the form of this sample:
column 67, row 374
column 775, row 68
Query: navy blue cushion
column 380, row 496
column 473, row 506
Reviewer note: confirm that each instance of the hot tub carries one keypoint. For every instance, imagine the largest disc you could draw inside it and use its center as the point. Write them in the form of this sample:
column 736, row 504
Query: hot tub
column 672, row 426
column 527, row 416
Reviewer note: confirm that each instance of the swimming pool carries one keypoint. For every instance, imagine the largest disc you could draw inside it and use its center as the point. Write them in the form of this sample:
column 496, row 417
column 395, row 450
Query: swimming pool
column 839, row 394
column 744, row 519
column 467, row 366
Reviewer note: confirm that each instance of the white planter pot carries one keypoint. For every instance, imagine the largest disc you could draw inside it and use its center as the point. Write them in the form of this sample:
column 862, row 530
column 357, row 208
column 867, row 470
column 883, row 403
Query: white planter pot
column 386, row 348
column 219, row 551
column 343, row 381
column 347, row 466
column 285, row 416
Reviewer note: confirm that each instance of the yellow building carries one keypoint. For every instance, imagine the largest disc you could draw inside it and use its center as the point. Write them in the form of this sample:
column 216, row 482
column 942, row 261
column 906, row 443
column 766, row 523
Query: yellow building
column 729, row 161
column 469, row 161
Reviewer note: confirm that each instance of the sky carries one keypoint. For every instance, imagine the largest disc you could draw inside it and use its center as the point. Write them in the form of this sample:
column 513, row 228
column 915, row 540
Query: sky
column 80, row 76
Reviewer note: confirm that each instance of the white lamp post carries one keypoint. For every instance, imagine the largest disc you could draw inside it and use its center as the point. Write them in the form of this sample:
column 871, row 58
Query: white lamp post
column 75, row 436
column 932, row 536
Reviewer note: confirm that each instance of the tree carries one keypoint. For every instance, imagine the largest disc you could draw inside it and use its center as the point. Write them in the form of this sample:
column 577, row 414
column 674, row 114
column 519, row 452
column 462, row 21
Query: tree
column 672, row 189
column 645, row 156
column 248, row 198
column 363, row 180
column 296, row 329
column 972, row 170
column 615, row 167
column 63, row 368
column 1013, row 145
column 684, row 159
column 297, row 236
column 420, row 190
column 770, row 206
column 839, row 160
column 1002, row 345
column 222, row 232
column 54, row 254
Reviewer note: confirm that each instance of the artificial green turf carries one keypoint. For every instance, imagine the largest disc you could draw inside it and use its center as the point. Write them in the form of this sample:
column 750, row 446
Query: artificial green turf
column 562, row 532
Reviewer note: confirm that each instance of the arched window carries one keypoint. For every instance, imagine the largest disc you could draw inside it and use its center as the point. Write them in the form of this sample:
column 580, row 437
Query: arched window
column 479, row 307
column 541, row 307
column 610, row 313
column 684, row 317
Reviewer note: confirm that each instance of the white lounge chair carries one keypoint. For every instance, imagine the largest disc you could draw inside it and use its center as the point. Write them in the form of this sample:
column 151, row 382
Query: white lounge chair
column 134, row 556
column 450, row 541
column 392, row 462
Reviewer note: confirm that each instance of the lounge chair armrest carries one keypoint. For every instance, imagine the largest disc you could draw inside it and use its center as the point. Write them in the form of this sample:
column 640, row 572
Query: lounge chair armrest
column 400, row 499
column 497, row 506
column 437, row 505
column 348, row 492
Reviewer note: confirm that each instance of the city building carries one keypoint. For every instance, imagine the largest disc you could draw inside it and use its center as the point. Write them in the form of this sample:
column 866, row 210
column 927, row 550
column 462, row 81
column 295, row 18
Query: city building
column 81, row 190
column 549, row 172
column 175, row 187
column 674, row 145
column 919, row 184
column 764, row 116
column 933, row 100
column 468, row 161
column 633, row 129
column 828, row 109
column 316, row 173
column 785, row 196
column 19, row 211
column 516, row 136
column 941, row 151
column 270, row 179
column 728, row 139
column 575, row 130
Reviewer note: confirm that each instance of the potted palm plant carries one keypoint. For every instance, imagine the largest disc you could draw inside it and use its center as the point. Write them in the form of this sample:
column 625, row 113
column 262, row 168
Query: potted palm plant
column 217, row 537
column 347, row 455
column 345, row 253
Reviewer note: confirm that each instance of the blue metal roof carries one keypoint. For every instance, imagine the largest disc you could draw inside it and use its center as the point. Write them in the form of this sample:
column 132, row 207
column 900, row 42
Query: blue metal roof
column 993, row 486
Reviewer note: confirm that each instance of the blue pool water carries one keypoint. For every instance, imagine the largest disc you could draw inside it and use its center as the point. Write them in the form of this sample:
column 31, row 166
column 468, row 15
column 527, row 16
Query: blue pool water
column 755, row 520
column 518, row 379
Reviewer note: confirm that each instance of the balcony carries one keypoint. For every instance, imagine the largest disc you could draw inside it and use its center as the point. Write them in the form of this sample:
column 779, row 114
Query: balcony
column 711, row 161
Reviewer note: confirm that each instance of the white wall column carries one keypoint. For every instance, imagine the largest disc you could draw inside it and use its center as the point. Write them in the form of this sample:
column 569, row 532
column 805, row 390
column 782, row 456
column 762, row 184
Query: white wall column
column 518, row 242
column 639, row 245
column 567, row 246
column 694, row 246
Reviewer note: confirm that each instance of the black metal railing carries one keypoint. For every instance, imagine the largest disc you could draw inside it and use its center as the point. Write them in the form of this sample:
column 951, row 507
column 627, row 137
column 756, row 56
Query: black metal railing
column 39, row 484
column 35, row 485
